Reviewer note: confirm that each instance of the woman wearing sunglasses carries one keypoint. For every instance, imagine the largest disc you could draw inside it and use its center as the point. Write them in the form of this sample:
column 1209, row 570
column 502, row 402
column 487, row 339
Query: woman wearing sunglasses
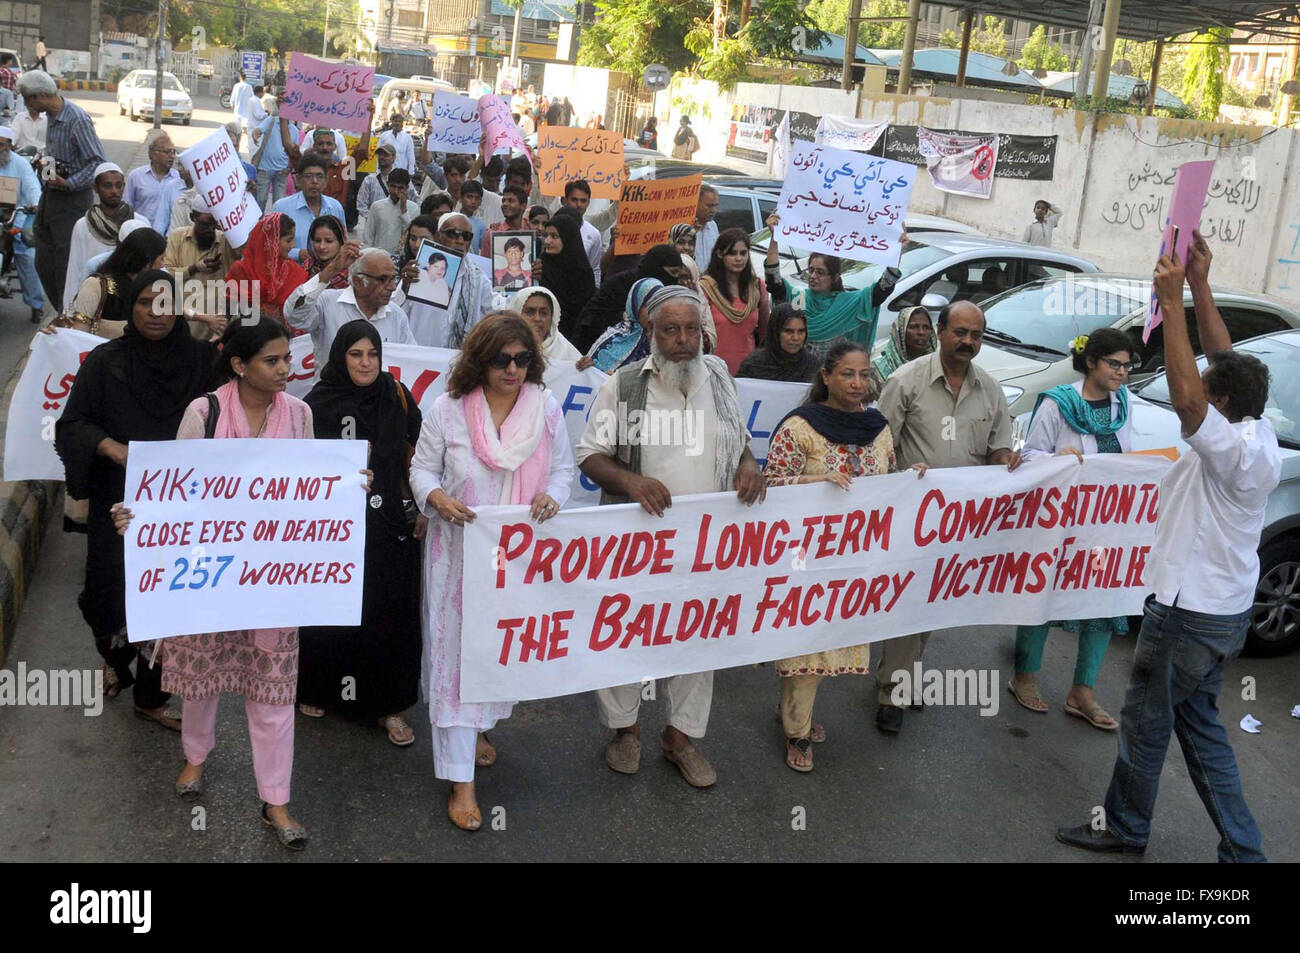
column 496, row 436
column 1086, row 417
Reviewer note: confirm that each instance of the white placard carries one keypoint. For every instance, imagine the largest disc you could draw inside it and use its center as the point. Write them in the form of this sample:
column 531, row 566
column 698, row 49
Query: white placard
column 962, row 165
column 218, row 175
column 38, row 403
column 456, row 127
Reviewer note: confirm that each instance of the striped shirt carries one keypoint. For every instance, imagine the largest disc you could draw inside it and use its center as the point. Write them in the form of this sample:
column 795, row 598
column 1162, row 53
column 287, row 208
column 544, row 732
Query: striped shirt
column 71, row 139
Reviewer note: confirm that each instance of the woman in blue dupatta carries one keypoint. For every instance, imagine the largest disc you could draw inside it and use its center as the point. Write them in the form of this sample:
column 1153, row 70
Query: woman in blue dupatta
column 833, row 313
column 1086, row 417
column 628, row 341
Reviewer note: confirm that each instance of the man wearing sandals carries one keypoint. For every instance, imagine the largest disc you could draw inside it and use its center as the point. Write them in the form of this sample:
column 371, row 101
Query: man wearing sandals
column 944, row 411
column 676, row 378
column 1202, row 570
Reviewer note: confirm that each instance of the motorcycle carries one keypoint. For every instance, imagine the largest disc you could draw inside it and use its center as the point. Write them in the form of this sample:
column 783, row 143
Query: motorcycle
column 223, row 95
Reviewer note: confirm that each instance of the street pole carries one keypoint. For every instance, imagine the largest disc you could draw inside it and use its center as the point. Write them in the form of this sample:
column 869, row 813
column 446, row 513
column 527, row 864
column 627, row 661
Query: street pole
column 325, row 37
column 514, row 37
column 909, row 48
column 850, row 44
column 158, row 65
column 1085, row 55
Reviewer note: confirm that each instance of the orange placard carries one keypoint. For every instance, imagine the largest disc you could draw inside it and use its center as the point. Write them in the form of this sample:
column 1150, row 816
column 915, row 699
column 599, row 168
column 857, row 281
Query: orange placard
column 647, row 210
column 1170, row 453
column 565, row 153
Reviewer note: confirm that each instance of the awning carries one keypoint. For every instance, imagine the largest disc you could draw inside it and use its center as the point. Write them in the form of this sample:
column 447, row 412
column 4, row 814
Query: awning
column 982, row 69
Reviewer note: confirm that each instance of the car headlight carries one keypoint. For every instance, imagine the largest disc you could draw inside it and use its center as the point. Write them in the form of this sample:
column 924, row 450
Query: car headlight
column 1012, row 394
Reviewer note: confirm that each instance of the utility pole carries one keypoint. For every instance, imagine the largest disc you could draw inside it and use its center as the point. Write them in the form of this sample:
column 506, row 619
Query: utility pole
column 158, row 65
column 850, row 44
column 514, row 36
column 325, row 37
column 1085, row 55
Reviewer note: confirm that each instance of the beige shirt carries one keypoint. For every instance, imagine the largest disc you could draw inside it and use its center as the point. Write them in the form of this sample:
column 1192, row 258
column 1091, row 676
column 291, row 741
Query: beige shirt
column 934, row 426
column 678, row 433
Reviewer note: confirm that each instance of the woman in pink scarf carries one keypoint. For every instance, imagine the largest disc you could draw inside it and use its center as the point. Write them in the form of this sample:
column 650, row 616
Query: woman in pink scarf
column 496, row 436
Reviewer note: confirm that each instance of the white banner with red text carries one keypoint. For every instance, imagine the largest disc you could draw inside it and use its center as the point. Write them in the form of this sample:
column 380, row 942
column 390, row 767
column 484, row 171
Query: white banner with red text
column 610, row 595
column 37, row 404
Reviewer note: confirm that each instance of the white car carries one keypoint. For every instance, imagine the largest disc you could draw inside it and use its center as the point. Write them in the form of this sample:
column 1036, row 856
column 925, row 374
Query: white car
column 135, row 97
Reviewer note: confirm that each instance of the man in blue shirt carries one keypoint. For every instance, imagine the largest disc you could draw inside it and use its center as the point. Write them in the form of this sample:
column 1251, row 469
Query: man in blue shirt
column 309, row 202
column 29, row 194
column 151, row 188
column 273, row 161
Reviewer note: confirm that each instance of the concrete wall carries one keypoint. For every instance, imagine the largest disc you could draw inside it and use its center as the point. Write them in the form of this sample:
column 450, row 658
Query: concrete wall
column 1113, row 176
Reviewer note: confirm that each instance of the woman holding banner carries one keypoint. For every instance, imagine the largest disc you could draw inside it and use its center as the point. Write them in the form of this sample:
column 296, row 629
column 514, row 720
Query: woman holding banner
column 1086, row 417
column 495, row 437
column 833, row 313
column 266, row 267
column 355, row 399
column 629, row 340
column 135, row 387
column 830, row 439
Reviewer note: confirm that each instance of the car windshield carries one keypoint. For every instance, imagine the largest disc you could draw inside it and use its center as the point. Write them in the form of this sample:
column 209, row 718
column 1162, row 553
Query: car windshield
column 1051, row 313
column 1281, row 356
column 147, row 80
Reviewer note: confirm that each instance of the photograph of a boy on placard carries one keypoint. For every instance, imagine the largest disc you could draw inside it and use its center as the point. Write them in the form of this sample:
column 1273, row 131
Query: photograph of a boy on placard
column 512, row 260
column 439, row 267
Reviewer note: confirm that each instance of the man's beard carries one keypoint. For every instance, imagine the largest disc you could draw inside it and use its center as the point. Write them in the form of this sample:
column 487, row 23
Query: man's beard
column 676, row 375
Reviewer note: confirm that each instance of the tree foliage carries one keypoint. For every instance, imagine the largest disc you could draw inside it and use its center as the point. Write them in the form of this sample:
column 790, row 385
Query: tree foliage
column 990, row 38
column 1207, row 62
column 833, row 16
column 1041, row 53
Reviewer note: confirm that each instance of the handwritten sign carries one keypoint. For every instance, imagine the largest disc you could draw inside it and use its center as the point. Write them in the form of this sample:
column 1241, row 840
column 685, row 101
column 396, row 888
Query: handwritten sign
column 844, row 203
column 566, row 153
column 498, row 126
column 328, row 94
column 1191, row 185
column 610, row 595
column 963, row 165
column 219, row 176
column 243, row 534
column 648, row 209
column 52, row 365
column 455, row 125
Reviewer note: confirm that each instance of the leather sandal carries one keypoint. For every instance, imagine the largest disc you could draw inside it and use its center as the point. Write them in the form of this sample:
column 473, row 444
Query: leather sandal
column 1027, row 700
column 795, row 747
column 311, row 711
column 470, row 820
column 294, row 838
column 399, row 732
column 1093, row 715
column 485, row 753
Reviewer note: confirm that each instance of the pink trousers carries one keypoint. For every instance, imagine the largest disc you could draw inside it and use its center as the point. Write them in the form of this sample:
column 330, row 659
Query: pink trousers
column 270, row 729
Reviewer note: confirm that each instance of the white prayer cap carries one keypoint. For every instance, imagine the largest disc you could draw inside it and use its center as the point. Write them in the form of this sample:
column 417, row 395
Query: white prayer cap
column 199, row 203
column 127, row 227
column 7, row 133
column 107, row 167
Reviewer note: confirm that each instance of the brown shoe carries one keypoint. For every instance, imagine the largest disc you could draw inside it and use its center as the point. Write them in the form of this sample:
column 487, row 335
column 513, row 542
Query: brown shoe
column 697, row 772
column 623, row 754
column 161, row 715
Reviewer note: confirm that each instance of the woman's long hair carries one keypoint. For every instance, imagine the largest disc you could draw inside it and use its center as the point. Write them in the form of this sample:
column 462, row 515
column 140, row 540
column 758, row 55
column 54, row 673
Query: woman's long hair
column 484, row 342
column 717, row 269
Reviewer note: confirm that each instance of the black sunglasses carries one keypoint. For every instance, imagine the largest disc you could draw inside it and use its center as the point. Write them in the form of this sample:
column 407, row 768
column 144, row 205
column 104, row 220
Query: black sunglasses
column 457, row 233
column 521, row 360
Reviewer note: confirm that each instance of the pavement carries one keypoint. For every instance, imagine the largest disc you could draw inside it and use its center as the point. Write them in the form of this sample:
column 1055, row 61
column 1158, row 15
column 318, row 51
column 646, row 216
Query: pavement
column 954, row 786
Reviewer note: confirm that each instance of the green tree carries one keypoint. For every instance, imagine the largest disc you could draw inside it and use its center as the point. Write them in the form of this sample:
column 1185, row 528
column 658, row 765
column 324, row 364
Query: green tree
column 833, row 16
column 1207, row 61
column 990, row 38
column 1041, row 53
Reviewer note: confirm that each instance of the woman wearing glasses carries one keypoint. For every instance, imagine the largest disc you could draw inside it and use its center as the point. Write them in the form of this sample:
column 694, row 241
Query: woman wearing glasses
column 833, row 313
column 1086, row 417
column 495, row 437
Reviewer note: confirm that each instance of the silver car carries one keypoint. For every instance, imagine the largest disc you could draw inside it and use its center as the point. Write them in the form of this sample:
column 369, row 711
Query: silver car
column 1275, row 619
column 1026, row 345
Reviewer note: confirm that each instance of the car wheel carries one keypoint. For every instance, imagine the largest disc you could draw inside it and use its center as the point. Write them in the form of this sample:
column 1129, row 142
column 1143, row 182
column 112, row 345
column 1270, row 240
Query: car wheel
column 186, row 122
column 132, row 113
column 1275, row 617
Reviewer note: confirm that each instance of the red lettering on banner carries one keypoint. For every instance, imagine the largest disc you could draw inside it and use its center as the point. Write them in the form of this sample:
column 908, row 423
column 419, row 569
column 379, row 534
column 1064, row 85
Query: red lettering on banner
column 861, row 597
column 171, row 485
column 649, row 624
column 295, row 574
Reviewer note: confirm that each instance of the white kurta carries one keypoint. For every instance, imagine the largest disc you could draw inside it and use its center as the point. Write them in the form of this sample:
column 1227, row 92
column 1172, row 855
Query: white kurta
column 445, row 459
column 81, row 248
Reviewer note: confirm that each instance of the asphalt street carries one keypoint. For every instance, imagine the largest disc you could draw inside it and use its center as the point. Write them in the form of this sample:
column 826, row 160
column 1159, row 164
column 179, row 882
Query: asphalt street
column 954, row 786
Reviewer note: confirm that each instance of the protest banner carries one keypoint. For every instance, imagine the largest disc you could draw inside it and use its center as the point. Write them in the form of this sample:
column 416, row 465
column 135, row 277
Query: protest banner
column 329, row 94
column 648, row 209
column 843, row 132
column 844, row 203
column 455, row 126
column 1019, row 157
column 53, row 361
column 218, row 175
column 962, row 165
column 243, row 534
column 565, row 153
column 749, row 134
column 611, row 596
column 1191, row 185
column 500, row 130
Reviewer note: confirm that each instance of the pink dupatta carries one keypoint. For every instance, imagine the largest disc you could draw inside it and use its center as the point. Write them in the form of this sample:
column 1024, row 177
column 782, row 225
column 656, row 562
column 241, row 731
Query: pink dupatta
column 284, row 419
column 523, row 448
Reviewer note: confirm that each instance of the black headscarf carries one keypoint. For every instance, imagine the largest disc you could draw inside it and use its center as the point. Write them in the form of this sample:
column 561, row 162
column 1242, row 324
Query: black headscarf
column 163, row 376
column 568, row 275
column 858, row 429
column 375, row 412
column 771, row 362
column 605, row 309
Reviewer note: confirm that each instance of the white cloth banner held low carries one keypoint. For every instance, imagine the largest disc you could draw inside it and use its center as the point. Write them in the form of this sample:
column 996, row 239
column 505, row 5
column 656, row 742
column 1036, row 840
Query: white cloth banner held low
column 243, row 534
column 843, row 132
column 962, row 165
column 456, row 126
column 219, row 176
column 844, row 203
column 52, row 365
column 610, row 596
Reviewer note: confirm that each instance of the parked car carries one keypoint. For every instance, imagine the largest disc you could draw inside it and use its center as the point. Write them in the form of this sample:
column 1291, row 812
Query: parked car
column 135, row 97
column 659, row 166
column 1026, row 345
column 18, row 57
column 203, row 68
column 386, row 102
column 944, row 267
column 1275, row 618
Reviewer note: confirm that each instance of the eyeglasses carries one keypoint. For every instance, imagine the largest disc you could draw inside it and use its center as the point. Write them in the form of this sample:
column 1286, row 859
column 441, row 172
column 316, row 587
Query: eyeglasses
column 389, row 280
column 1128, row 367
column 818, row 273
column 520, row 360
column 457, row 233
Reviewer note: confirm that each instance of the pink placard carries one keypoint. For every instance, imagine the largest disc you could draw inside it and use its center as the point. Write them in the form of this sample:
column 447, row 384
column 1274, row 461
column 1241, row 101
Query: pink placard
column 1191, row 183
column 329, row 94
column 499, row 129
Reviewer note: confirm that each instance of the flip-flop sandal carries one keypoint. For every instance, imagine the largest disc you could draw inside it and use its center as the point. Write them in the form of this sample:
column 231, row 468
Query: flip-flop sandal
column 1090, row 716
column 802, row 746
column 311, row 711
column 399, row 732
column 1011, row 687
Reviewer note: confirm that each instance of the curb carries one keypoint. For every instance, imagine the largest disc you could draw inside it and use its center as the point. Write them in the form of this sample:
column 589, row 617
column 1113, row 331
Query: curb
column 88, row 85
column 25, row 511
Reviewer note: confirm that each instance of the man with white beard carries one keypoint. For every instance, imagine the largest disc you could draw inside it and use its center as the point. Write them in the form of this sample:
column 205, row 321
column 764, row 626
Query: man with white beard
column 681, row 385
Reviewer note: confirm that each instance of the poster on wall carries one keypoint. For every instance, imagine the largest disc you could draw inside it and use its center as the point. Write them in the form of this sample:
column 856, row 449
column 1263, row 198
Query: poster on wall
column 1019, row 157
column 749, row 135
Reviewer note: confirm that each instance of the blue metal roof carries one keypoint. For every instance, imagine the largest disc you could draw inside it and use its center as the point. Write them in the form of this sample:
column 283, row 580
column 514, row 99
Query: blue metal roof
column 1119, row 87
column 832, row 50
column 981, row 68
